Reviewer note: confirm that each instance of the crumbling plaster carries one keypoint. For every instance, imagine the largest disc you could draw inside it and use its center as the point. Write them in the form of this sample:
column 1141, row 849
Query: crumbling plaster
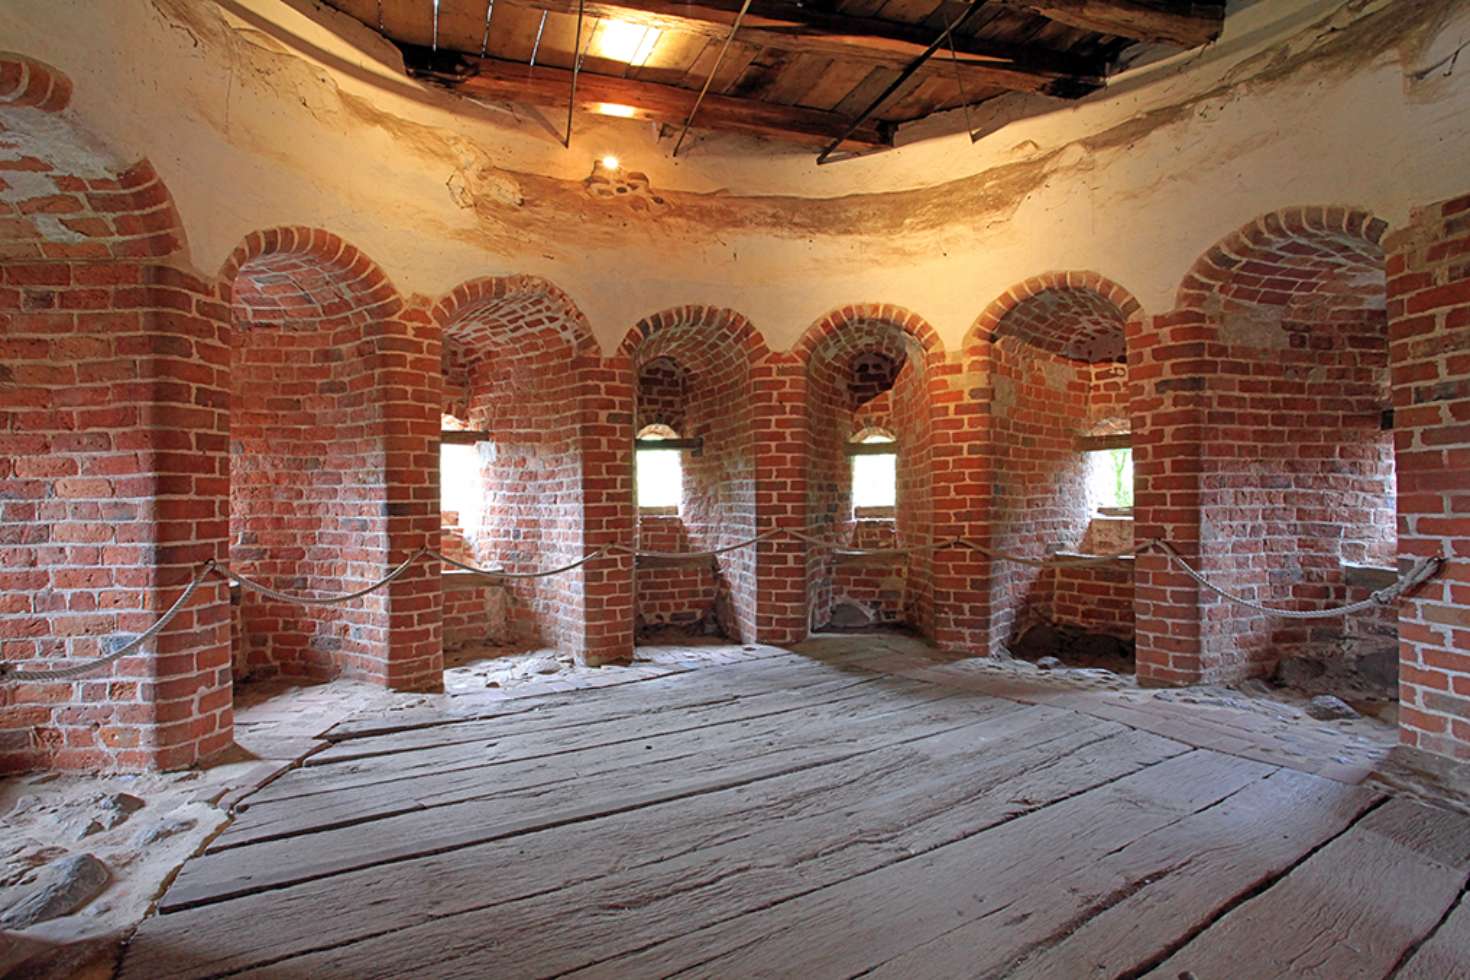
column 267, row 112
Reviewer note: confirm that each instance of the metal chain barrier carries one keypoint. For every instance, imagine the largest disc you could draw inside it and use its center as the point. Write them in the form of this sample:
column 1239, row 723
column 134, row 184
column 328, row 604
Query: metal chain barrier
column 1423, row 570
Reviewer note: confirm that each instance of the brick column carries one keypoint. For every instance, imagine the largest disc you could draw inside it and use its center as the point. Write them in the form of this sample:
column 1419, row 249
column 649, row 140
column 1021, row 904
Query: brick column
column 186, row 423
column 779, row 389
column 1429, row 352
column 962, row 464
column 411, row 382
column 1167, row 407
column 609, row 517
column 113, row 489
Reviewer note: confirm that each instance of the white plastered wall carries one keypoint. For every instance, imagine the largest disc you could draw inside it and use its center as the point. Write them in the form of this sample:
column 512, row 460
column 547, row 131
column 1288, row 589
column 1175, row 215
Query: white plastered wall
column 265, row 112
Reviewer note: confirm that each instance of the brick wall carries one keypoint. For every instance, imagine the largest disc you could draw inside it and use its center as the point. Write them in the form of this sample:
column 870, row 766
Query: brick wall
column 1053, row 346
column 308, row 466
column 112, row 452
column 876, row 585
column 870, row 367
column 475, row 612
column 112, row 491
column 514, row 345
column 1429, row 314
column 608, row 390
column 1097, row 598
column 693, row 368
column 778, row 388
column 1295, row 471
column 690, row 595
column 682, row 594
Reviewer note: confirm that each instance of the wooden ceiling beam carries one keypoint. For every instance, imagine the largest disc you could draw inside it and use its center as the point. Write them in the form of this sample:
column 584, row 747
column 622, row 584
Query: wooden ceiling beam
column 786, row 25
column 1185, row 24
column 492, row 78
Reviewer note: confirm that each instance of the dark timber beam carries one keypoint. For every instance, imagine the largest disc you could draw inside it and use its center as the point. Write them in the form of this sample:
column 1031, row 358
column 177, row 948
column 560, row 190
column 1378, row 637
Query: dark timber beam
column 1186, row 24
column 491, row 78
column 793, row 27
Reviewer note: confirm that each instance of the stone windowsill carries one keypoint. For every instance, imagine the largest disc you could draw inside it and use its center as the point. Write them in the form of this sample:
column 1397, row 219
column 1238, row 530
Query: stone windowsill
column 1373, row 577
column 459, row 579
column 1122, row 559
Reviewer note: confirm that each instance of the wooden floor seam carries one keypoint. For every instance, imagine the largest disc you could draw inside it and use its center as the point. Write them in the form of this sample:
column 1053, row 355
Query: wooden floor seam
column 891, row 826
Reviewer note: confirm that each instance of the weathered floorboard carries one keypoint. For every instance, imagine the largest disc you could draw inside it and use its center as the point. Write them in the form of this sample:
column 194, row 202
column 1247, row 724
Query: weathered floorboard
column 1126, row 911
column 1352, row 910
column 483, row 743
column 368, row 791
column 866, row 813
column 581, row 793
column 1447, row 952
column 670, row 867
column 860, row 923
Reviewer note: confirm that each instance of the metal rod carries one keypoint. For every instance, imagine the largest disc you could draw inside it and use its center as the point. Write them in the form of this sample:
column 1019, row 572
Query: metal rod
column 735, row 26
column 576, row 70
column 959, row 79
column 898, row 82
column 380, row 16
column 485, row 38
column 436, row 25
column 537, row 46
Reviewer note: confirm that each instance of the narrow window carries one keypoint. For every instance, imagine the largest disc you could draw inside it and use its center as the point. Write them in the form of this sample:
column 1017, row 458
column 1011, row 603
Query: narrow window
column 460, row 485
column 1110, row 478
column 658, row 471
column 874, row 473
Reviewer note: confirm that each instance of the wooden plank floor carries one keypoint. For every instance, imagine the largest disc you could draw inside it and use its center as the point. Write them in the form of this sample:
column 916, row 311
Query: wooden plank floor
column 797, row 816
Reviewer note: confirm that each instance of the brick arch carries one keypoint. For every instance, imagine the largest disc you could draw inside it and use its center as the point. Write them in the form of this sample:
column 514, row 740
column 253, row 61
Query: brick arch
column 1048, row 348
column 302, row 274
column 514, row 351
column 25, row 82
column 310, row 461
column 869, row 365
column 1078, row 315
column 489, row 310
column 692, row 368
column 1285, row 254
column 841, row 327
column 1290, row 309
column 701, row 339
column 78, row 199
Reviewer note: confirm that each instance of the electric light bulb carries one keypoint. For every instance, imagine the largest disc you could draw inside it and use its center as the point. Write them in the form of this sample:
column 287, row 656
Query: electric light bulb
column 609, row 162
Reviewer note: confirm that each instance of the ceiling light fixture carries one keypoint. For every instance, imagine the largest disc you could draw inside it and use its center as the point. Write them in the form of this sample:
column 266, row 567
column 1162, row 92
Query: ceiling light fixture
column 610, row 162
column 615, row 109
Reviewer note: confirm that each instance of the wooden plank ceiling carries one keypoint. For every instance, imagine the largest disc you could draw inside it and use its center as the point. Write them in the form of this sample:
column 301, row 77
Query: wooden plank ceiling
column 797, row 71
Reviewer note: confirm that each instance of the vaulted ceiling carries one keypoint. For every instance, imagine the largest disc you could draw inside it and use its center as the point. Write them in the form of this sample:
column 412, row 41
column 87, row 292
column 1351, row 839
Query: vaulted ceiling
column 820, row 72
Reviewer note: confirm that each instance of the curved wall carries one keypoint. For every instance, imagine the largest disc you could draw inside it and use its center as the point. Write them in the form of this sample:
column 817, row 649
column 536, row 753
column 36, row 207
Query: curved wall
column 1134, row 182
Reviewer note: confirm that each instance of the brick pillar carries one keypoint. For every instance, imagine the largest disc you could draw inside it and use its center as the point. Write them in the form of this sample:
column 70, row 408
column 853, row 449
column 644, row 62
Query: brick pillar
column 1429, row 353
column 113, row 489
column 779, row 390
column 960, row 401
column 609, row 517
column 1167, row 396
column 185, row 423
column 411, row 381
